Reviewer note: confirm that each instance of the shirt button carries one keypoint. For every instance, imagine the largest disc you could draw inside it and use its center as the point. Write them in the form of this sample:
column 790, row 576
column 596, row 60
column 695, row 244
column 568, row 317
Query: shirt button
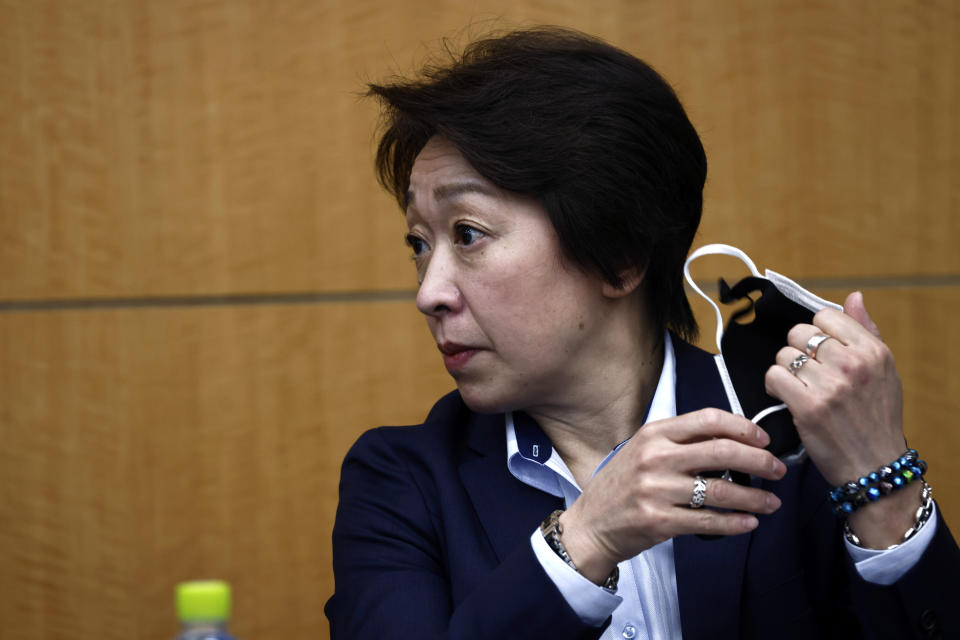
column 629, row 632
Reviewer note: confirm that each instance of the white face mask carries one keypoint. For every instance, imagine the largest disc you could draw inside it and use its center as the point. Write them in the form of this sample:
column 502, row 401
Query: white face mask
column 747, row 350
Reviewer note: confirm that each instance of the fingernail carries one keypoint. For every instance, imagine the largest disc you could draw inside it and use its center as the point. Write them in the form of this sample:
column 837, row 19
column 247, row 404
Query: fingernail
column 778, row 467
column 773, row 503
column 762, row 436
column 750, row 523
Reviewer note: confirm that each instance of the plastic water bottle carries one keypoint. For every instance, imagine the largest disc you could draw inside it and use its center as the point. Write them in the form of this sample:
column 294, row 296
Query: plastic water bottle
column 203, row 607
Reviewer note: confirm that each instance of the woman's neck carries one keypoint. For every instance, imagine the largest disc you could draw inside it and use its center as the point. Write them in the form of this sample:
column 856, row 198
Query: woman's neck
column 610, row 410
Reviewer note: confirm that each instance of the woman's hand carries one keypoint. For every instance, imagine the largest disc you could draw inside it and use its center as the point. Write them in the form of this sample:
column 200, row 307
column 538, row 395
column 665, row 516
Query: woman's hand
column 847, row 404
column 641, row 497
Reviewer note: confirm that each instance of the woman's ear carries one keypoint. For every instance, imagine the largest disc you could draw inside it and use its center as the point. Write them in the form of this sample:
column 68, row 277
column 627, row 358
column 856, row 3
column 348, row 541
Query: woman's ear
column 630, row 280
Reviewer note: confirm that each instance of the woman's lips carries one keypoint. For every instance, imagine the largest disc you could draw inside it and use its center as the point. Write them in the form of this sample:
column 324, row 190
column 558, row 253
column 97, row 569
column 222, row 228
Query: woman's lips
column 456, row 356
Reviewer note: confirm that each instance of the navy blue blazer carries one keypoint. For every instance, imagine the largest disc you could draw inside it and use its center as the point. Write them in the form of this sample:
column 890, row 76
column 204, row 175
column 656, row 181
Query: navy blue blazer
column 432, row 541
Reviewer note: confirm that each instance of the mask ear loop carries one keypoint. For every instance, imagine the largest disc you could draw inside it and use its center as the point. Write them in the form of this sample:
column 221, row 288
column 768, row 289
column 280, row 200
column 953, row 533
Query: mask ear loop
column 717, row 249
column 763, row 414
column 726, row 250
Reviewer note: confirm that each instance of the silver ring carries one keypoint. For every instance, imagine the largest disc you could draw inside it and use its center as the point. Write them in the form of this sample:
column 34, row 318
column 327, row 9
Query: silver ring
column 814, row 343
column 699, row 492
column 798, row 363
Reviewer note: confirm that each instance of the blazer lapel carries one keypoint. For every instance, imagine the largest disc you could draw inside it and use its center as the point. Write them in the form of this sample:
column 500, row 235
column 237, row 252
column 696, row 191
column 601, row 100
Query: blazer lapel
column 709, row 571
column 509, row 510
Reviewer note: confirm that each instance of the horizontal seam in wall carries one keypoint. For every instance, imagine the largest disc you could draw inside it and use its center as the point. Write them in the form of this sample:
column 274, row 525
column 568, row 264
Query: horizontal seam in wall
column 862, row 283
column 401, row 295
column 223, row 300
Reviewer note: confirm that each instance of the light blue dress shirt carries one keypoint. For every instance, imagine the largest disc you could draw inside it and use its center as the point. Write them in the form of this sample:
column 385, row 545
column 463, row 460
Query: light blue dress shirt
column 646, row 604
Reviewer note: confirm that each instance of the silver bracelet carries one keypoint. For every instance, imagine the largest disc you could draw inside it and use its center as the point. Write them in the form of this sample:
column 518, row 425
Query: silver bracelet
column 920, row 519
column 552, row 530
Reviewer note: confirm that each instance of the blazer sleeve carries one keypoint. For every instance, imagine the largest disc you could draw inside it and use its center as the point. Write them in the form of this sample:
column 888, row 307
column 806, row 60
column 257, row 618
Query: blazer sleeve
column 391, row 572
column 922, row 603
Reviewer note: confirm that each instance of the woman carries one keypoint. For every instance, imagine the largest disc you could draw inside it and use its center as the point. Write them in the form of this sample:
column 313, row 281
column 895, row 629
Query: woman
column 552, row 186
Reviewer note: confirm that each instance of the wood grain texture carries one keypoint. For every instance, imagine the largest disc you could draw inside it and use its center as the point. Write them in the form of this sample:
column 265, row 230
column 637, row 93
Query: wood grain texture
column 203, row 147
column 144, row 447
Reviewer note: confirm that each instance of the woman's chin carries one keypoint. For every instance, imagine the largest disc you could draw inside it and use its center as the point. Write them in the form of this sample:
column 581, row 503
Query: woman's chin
column 486, row 400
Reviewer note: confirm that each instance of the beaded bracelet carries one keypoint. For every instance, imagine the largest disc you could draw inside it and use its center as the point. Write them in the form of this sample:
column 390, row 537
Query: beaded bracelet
column 850, row 496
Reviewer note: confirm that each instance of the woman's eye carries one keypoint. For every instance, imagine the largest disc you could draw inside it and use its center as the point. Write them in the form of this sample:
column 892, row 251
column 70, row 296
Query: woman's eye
column 466, row 235
column 415, row 243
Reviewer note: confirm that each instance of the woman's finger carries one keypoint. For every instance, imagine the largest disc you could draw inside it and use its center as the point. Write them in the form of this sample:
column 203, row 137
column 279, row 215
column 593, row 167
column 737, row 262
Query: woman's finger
column 812, row 341
column 724, row 494
column 706, row 424
column 712, row 522
column 723, row 453
column 785, row 386
column 843, row 327
column 853, row 306
column 803, row 367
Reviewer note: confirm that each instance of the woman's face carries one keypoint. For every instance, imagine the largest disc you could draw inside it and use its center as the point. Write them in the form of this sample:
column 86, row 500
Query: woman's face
column 515, row 321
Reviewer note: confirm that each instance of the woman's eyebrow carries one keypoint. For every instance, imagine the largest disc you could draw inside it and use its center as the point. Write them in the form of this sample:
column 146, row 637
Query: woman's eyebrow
column 454, row 190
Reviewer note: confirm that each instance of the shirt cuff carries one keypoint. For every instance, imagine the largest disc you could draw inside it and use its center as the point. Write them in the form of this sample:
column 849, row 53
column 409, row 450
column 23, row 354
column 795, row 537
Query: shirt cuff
column 592, row 603
column 886, row 566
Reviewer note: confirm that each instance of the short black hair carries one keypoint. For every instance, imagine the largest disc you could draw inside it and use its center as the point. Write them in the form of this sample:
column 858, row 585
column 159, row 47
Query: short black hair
column 593, row 132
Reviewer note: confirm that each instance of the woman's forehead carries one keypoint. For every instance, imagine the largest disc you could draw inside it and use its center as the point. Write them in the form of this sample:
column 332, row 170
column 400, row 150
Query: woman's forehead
column 440, row 171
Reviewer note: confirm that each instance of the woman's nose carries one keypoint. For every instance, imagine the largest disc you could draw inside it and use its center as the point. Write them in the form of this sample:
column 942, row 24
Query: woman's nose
column 438, row 293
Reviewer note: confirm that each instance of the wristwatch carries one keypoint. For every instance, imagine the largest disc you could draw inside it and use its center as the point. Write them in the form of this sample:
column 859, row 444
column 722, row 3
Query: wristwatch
column 552, row 530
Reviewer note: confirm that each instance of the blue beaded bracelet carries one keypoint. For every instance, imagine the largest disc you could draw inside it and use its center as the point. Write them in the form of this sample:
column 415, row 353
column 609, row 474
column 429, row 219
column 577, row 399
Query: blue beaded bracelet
column 850, row 496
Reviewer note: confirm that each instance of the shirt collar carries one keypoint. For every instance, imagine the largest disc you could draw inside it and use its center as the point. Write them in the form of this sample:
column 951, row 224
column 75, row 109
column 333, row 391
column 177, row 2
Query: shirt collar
column 531, row 457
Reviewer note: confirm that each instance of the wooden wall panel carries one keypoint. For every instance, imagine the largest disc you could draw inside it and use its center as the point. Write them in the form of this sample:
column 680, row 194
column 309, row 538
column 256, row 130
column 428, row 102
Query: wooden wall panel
column 143, row 447
column 830, row 136
column 199, row 147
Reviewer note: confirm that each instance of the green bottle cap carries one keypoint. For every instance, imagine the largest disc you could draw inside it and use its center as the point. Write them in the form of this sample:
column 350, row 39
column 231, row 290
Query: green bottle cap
column 203, row 601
